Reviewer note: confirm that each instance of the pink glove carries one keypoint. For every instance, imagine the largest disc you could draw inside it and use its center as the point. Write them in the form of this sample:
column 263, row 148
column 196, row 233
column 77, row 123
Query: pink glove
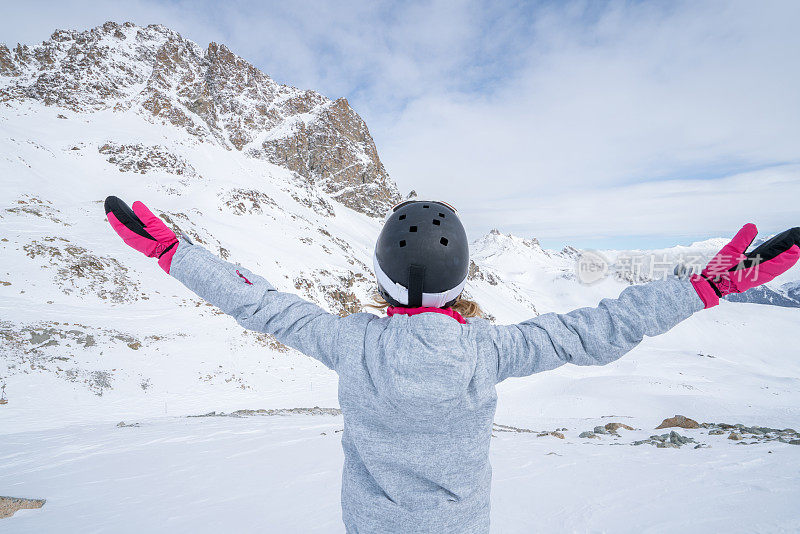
column 734, row 271
column 142, row 230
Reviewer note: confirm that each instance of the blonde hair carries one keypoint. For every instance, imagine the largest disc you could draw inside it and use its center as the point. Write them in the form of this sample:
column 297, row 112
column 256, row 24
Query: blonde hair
column 464, row 307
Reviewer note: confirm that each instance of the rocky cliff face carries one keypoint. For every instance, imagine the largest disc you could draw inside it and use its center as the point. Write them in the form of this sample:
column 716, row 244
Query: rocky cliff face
column 213, row 94
column 257, row 172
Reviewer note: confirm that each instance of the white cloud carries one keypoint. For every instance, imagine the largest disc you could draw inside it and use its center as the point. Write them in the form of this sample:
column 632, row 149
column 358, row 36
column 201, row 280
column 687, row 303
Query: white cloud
column 640, row 94
column 683, row 210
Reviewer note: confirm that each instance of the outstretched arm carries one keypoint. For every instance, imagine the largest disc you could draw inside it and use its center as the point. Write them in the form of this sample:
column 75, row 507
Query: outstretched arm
column 593, row 336
column 257, row 305
column 248, row 298
column 597, row 336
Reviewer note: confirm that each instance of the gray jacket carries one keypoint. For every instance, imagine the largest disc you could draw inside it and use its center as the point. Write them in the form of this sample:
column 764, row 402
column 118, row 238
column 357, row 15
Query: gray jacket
column 418, row 392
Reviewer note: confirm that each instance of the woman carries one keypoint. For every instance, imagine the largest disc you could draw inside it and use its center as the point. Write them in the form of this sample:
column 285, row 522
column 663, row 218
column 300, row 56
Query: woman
column 417, row 388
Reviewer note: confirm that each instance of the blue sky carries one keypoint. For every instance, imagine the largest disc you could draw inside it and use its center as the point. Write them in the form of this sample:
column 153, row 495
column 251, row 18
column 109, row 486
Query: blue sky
column 597, row 124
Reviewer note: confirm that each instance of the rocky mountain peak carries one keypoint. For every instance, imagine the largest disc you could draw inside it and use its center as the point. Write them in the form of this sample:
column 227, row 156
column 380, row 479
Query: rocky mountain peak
column 213, row 94
column 499, row 241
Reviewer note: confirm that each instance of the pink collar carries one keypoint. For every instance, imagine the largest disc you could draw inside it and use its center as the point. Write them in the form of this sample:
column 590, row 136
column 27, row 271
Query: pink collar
column 414, row 311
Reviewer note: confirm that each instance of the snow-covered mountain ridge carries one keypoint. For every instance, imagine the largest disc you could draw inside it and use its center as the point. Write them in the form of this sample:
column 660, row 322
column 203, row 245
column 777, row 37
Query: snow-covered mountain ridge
column 212, row 94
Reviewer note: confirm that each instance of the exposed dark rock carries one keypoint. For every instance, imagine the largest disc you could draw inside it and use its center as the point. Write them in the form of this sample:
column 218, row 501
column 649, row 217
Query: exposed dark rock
column 316, row 410
column 122, row 424
column 247, row 201
column 739, row 432
column 613, row 427
column 671, row 440
column 10, row 505
column 678, row 421
column 143, row 159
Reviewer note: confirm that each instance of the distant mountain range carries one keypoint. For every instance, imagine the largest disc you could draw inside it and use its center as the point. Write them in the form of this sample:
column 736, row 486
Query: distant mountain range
column 786, row 295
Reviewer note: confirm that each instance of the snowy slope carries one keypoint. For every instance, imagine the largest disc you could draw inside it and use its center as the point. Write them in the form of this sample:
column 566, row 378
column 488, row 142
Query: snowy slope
column 95, row 334
column 66, row 270
column 281, row 474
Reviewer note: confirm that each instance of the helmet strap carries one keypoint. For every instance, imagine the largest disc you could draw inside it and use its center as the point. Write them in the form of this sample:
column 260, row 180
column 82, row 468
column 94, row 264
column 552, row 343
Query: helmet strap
column 416, row 277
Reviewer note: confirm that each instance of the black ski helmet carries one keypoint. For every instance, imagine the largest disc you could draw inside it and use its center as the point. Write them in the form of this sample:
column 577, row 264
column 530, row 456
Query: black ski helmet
column 422, row 255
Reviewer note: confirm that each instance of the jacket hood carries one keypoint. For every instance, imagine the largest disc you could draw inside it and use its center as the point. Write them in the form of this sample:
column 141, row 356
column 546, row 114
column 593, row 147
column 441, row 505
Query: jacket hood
column 425, row 365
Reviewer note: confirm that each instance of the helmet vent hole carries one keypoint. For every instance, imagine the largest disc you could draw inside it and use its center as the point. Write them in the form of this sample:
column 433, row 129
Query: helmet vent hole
column 412, row 229
column 425, row 206
column 403, row 216
column 441, row 215
column 443, row 241
column 403, row 243
column 437, row 222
